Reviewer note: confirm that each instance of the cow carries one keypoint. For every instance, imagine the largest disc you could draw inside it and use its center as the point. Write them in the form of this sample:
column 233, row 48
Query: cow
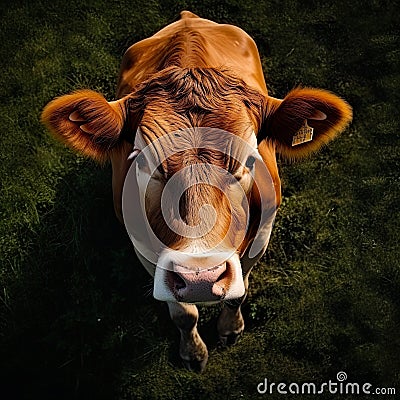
column 193, row 139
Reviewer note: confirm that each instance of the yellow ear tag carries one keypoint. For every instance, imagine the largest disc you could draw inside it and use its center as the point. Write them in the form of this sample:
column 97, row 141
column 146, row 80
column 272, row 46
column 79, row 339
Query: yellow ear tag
column 303, row 135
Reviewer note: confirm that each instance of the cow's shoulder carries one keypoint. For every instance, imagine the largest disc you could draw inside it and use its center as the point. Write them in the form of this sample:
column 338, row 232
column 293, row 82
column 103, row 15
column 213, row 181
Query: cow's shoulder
column 193, row 41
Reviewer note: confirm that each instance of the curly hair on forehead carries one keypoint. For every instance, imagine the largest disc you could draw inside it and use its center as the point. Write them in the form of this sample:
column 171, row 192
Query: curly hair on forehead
column 185, row 97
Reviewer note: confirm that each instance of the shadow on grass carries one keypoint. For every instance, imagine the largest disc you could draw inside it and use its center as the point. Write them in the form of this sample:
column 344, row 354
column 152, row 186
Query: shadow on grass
column 81, row 306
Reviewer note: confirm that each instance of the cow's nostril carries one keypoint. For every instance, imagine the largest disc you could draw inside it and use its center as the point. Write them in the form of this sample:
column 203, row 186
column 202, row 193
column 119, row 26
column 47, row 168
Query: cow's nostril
column 223, row 275
column 225, row 278
column 175, row 281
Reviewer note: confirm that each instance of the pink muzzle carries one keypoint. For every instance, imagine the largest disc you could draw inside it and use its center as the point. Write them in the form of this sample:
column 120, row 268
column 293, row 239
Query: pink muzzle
column 199, row 285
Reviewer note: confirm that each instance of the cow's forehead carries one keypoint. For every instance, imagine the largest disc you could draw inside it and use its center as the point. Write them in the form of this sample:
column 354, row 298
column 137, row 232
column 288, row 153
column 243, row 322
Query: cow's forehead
column 197, row 145
column 197, row 141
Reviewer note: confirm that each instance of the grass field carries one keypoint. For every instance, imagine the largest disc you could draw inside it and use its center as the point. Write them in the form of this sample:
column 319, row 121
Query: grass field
column 76, row 320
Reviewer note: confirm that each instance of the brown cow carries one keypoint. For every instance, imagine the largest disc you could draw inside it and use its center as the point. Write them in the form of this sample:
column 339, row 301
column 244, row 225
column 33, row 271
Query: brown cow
column 192, row 139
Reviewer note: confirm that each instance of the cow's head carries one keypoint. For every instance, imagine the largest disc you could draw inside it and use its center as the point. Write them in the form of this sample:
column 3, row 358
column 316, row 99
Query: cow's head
column 203, row 185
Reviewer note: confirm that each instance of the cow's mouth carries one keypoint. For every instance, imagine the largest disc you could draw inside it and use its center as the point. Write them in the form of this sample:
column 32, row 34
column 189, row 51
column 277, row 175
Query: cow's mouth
column 200, row 285
column 183, row 277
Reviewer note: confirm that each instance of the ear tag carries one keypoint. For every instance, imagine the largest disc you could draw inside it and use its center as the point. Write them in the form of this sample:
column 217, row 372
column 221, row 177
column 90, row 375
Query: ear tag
column 303, row 135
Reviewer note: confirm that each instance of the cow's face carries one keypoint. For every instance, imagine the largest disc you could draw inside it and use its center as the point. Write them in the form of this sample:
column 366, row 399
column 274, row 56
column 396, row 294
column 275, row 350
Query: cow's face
column 198, row 196
column 194, row 191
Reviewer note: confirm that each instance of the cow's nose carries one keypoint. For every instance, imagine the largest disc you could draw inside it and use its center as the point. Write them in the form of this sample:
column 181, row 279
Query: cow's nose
column 199, row 285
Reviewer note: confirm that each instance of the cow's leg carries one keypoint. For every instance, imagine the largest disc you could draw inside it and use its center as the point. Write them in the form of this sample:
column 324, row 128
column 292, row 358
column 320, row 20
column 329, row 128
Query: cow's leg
column 230, row 323
column 192, row 349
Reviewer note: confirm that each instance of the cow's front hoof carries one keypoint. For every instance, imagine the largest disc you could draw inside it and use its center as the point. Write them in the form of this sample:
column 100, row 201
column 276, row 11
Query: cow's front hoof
column 195, row 365
column 228, row 340
column 193, row 352
column 230, row 326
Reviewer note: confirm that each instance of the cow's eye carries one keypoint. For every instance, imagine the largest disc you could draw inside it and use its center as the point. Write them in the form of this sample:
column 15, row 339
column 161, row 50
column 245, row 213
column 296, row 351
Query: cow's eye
column 250, row 162
column 161, row 170
column 141, row 160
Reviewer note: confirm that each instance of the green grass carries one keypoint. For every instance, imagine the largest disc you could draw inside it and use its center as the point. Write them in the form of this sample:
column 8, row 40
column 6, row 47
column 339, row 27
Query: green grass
column 76, row 319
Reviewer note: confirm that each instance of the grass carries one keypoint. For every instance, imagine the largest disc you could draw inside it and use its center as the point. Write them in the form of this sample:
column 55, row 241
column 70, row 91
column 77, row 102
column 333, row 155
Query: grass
column 76, row 320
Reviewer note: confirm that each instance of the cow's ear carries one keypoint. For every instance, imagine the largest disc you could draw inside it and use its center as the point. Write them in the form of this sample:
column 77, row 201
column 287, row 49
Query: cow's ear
column 304, row 120
column 86, row 122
